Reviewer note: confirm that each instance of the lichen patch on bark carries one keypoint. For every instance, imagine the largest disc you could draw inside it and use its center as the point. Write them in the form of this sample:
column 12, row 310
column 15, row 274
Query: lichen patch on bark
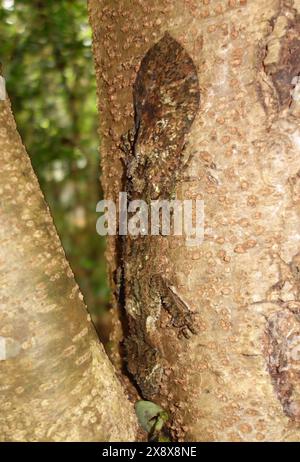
column 281, row 58
column 283, row 359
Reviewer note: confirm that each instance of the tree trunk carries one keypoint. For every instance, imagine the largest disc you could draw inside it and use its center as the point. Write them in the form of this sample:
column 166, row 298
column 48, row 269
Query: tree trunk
column 236, row 375
column 56, row 382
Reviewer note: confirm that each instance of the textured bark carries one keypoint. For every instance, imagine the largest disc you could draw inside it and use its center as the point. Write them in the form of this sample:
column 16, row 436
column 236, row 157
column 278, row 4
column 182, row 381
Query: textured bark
column 56, row 382
column 238, row 377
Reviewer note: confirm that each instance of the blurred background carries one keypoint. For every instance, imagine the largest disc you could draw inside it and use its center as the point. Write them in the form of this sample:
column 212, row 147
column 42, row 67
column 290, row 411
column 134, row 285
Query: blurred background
column 46, row 57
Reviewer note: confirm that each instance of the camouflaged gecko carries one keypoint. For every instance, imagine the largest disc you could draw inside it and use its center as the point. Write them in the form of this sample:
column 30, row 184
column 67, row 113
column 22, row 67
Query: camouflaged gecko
column 166, row 99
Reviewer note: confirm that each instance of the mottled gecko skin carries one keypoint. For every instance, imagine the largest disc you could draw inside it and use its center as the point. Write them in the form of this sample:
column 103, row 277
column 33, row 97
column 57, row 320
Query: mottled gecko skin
column 166, row 100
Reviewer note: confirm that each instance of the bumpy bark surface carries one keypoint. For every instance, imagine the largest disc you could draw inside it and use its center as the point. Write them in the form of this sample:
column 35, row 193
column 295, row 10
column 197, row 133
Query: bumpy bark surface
column 237, row 377
column 56, row 382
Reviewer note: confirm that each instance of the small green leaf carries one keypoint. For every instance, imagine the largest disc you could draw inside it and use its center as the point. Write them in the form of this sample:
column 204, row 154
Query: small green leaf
column 151, row 416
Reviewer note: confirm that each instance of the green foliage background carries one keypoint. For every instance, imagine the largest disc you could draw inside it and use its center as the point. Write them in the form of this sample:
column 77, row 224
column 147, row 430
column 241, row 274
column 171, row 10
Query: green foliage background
column 46, row 56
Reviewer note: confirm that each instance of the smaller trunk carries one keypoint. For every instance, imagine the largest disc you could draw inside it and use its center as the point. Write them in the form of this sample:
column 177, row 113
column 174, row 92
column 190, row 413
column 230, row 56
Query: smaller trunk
column 56, row 381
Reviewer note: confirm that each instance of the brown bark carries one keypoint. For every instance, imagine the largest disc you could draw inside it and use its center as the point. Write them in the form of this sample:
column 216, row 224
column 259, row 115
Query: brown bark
column 238, row 377
column 56, row 382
